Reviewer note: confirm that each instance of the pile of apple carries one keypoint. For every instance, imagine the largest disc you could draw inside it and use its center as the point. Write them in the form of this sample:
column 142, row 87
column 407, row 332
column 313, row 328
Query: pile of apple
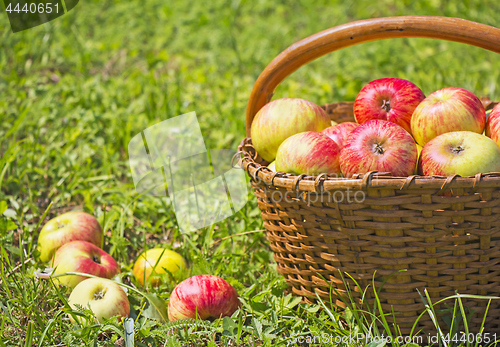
column 72, row 243
column 397, row 130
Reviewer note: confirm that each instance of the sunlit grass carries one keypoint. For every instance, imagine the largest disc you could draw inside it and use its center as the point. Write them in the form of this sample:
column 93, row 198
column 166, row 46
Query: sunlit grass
column 76, row 90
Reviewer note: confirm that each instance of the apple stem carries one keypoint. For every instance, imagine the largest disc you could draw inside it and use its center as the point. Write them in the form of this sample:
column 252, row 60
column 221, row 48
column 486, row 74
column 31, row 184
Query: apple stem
column 386, row 105
column 378, row 149
column 457, row 150
column 99, row 295
column 96, row 259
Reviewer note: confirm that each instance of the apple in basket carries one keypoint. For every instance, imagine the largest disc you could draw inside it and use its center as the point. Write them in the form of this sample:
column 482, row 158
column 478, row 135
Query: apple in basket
column 493, row 125
column 463, row 153
column 70, row 226
column 103, row 297
column 309, row 153
column 446, row 110
column 379, row 145
column 272, row 166
column 84, row 257
column 419, row 150
column 203, row 296
column 339, row 132
column 282, row 118
column 390, row 99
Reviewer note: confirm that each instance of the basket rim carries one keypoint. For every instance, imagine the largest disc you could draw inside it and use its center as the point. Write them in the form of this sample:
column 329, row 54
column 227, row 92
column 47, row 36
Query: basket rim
column 258, row 171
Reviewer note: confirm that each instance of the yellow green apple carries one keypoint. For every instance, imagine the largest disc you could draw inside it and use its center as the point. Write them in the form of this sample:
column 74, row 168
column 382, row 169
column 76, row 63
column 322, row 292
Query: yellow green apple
column 103, row 297
column 463, row 153
column 282, row 118
column 151, row 264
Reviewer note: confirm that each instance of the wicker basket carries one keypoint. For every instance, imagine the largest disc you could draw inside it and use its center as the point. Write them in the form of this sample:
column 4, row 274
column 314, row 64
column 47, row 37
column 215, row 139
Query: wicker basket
column 444, row 231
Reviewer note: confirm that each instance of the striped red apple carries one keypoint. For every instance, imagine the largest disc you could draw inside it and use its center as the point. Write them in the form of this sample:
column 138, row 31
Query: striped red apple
column 309, row 153
column 493, row 125
column 390, row 99
column 447, row 110
column 202, row 296
column 379, row 145
column 282, row 118
column 339, row 132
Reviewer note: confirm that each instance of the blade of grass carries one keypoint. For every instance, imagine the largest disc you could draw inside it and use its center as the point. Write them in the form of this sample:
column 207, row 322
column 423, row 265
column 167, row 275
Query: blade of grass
column 29, row 335
column 432, row 314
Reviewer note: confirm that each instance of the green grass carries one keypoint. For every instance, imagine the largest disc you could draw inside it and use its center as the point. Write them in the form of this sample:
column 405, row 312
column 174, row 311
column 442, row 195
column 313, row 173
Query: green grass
column 76, row 90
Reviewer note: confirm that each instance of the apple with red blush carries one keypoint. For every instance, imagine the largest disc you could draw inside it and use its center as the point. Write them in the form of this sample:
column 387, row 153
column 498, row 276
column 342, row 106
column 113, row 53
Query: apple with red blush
column 83, row 257
column 339, row 132
column 379, row 145
column 463, row 153
column 309, row 153
column 389, row 99
column 447, row 110
column 493, row 125
column 204, row 297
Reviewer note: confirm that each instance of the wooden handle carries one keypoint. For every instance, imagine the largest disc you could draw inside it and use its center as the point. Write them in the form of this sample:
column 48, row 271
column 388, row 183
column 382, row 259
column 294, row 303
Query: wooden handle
column 350, row 34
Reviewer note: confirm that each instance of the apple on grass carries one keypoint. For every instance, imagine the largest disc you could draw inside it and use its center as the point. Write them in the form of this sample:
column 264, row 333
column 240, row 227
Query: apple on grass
column 309, row 153
column 390, row 99
column 160, row 260
column 84, row 257
column 379, row 145
column 463, row 153
column 493, row 125
column 339, row 132
column 447, row 110
column 282, row 118
column 103, row 297
column 204, row 297
column 70, row 226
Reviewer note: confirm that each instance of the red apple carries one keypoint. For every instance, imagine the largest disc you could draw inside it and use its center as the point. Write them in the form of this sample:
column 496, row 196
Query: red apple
column 379, row 145
column 282, row 118
column 103, row 297
column 84, row 257
column 339, row 132
column 446, row 110
column 70, row 226
column 493, row 125
column 463, row 153
column 390, row 99
column 203, row 296
column 308, row 153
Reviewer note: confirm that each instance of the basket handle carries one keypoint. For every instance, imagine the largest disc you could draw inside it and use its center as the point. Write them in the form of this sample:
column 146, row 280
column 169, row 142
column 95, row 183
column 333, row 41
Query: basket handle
column 350, row 34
